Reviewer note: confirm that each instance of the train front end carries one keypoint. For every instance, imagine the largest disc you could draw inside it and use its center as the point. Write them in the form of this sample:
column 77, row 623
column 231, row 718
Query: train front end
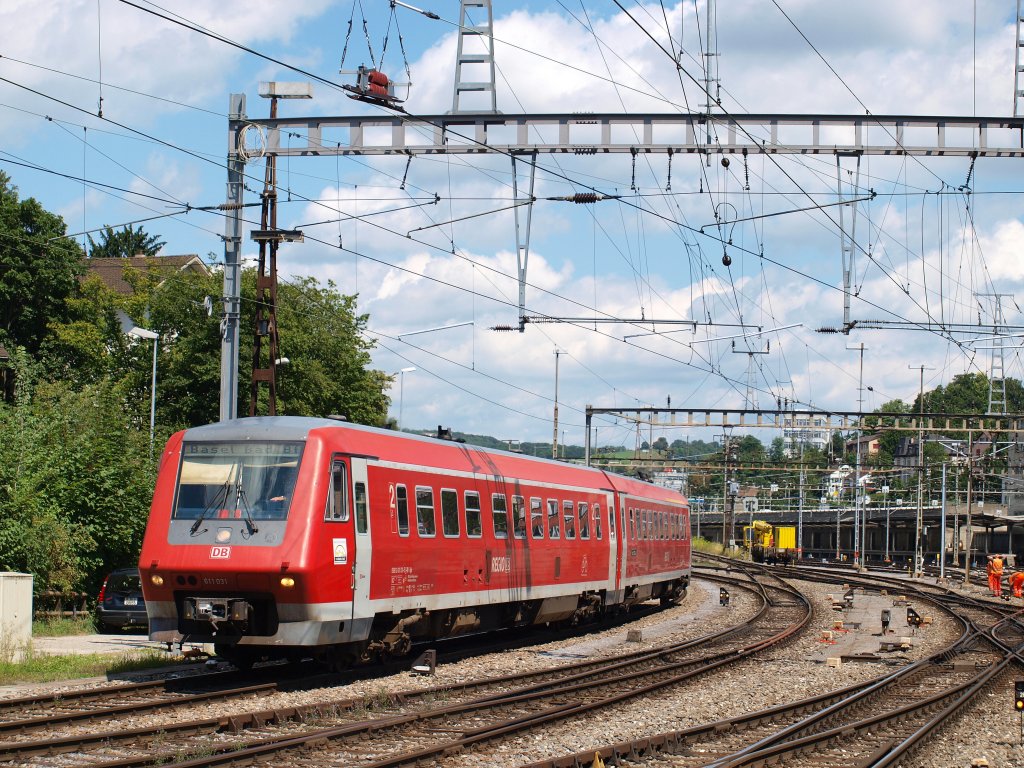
column 229, row 557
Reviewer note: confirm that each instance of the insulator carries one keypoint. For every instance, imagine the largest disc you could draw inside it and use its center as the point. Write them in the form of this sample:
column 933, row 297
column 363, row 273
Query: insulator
column 378, row 78
column 503, row 328
column 581, row 198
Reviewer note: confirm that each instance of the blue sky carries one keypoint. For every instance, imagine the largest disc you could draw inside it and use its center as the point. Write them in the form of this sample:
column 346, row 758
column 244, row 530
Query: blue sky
column 162, row 145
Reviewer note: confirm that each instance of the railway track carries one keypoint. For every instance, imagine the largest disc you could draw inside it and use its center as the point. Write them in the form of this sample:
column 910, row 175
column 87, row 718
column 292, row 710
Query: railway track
column 877, row 723
column 502, row 705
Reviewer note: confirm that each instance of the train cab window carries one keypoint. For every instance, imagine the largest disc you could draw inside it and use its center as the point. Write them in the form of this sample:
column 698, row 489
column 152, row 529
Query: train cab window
column 337, row 496
column 570, row 520
column 554, row 527
column 361, row 518
column 473, row 526
column 597, row 521
column 402, row 502
column 519, row 517
column 584, row 515
column 449, row 512
column 499, row 512
column 425, row 524
column 536, row 518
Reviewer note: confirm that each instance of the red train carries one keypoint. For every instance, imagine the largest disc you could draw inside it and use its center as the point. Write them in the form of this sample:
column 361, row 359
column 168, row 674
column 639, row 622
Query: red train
column 285, row 537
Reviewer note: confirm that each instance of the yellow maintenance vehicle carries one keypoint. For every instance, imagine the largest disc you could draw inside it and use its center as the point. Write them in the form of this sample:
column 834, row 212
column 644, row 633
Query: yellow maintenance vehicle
column 767, row 543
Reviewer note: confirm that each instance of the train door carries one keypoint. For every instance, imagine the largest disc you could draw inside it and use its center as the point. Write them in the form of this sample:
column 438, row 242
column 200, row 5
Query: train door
column 363, row 547
column 624, row 541
column 614, row 541
column 340, row 529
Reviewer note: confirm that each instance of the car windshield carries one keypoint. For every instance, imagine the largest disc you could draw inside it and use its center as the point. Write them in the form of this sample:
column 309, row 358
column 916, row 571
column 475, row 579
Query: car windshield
column 124, row 582
column 237, row 480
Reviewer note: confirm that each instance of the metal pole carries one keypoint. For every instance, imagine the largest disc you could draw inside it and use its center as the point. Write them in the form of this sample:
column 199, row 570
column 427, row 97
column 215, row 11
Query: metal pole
column 586, row 447
column 554, row 438
column 152, row 399
column 401, row 397
column 232, row 261
column 942, row 528
column 885, row 497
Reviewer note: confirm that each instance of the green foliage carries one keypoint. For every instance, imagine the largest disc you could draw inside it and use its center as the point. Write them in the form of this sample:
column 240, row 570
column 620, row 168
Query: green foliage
column 124, row 243
column 75, row 484
column 39, row 269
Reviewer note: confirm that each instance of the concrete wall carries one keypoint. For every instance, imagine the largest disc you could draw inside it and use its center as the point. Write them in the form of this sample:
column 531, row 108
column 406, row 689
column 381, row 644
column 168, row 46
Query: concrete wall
column 15, row 615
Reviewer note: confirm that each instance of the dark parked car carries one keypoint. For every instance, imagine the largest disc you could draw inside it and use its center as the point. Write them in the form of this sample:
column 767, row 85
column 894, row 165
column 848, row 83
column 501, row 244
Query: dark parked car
column 120, row 602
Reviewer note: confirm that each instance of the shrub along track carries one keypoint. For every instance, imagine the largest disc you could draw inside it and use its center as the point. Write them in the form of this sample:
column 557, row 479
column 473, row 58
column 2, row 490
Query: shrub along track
column 509, row 704
column 876, row 723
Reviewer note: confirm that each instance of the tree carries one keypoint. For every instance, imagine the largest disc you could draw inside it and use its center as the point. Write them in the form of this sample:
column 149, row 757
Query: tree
column 75, row 482
column 661, row 444
column 39, row 269
column 124, row 243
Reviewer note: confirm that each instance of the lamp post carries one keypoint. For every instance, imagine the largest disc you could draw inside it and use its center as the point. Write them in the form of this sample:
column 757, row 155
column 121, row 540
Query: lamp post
column 143, row 333
column 401, row 391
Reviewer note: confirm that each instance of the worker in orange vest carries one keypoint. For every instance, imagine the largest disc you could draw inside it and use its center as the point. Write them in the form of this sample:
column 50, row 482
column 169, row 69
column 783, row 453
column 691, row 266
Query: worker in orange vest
column 995, row 575
column 1017, row 584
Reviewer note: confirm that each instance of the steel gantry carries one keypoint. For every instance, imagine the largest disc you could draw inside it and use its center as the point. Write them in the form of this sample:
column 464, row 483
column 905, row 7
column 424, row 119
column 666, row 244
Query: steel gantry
column 530, row 135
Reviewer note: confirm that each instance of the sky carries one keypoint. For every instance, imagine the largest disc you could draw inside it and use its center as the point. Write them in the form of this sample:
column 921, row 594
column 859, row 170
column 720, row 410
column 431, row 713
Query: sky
column 429, row 245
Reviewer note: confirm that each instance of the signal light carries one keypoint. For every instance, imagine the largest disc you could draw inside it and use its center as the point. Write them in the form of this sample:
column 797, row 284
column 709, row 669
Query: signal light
column 1018, row 699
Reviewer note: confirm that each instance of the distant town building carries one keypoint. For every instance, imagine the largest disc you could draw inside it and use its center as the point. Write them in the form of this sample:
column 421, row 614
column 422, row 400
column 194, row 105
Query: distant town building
column 111, row 271
column 870, row 445
column 803, row 430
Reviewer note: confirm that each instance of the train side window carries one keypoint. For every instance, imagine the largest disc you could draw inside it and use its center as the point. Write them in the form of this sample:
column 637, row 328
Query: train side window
column 361, row 520
column 632, row 525
column 425, row 524
column 473, row 527
column 570, row 520
column 449, row 512
column 611, row 521
column 536, row 518
column 337, row 497
column 402, row 502
column 554, row 527
column 664, row 526
column 519, row 517
column 499, row 512
column 597, row 520
column 584, row 515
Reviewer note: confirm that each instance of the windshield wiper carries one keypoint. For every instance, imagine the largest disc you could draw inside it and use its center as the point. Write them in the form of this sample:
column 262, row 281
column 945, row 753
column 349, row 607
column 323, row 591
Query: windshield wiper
column 243, row 504
column 222, row 494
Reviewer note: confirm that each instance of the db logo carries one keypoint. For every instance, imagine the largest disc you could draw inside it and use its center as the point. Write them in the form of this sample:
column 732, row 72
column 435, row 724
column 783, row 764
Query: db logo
column 220, row 553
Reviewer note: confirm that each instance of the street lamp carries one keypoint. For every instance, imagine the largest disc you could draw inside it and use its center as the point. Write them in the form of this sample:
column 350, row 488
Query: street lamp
column 401, row 391
column 143, row 333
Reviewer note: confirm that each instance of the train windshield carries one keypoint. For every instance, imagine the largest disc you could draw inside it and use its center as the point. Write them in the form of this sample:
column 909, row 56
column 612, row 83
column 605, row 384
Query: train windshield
column 237, row 480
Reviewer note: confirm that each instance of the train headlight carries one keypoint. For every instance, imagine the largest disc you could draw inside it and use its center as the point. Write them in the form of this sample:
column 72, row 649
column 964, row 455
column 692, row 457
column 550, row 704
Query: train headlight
column 157, row 580
column 287, row 582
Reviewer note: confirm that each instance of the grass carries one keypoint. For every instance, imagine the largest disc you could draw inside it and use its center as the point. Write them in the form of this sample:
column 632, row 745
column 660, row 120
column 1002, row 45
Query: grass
column 63, row 627
column 42, row 668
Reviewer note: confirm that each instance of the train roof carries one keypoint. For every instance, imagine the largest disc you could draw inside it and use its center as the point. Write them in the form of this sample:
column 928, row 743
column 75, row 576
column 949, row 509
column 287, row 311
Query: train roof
column 403, row 447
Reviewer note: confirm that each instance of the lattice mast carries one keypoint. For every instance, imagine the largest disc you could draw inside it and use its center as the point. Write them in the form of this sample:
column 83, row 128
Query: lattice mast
column 476, row 52
column 266, row 292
